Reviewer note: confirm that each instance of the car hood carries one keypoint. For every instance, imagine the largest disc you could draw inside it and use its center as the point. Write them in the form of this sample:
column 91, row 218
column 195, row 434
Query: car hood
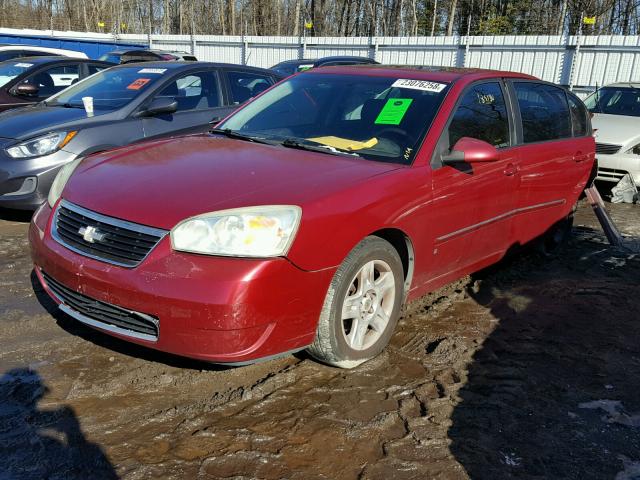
column 27, row 122
column 616, row 129
column 164, row 182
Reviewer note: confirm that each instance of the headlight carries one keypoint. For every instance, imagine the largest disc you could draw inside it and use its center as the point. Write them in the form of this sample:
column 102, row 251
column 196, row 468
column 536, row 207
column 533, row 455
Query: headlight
column 266, row 231
column 43, row 145
column 634, row 151
column 60, row 181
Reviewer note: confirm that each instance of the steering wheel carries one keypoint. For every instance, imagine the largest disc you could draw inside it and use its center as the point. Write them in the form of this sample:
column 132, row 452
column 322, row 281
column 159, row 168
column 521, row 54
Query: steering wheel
column 395, row 135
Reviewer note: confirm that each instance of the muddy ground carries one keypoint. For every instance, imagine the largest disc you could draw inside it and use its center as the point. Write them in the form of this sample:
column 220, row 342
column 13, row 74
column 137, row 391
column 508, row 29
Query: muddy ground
column 530, row 370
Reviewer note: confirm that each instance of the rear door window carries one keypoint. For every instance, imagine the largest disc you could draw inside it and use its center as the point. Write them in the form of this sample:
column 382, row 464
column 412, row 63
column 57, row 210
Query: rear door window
column 544, row 112
column 194, row 91
column 245, row 85
column 481, row 114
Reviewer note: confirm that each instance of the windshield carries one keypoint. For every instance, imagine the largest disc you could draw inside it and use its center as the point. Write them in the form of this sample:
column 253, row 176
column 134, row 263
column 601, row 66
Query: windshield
column 10, row 70
column 376, row 118
column 615, row 101
column 110, row 89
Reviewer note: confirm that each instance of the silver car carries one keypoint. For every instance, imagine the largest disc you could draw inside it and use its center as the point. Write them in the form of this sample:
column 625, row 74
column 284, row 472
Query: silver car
column 616, row 122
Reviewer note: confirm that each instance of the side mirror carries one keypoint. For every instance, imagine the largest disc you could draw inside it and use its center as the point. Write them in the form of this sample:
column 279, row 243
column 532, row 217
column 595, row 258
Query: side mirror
column 160, row 106
column 471, row 150
column 27, row 89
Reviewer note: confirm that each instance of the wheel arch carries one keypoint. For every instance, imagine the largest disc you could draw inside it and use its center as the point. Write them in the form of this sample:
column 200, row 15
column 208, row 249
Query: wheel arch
column 404, row 246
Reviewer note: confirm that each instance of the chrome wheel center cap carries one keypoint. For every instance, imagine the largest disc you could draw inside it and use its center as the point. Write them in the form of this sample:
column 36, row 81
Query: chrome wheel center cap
column 368, row 302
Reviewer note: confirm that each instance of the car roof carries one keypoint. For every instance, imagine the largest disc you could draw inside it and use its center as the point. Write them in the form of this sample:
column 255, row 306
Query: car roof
column 335, row 58
column 338, row 58
column 445, row 74
column 180, row 65
column 146, row 50
column 42, row 59
column 22, row 46
column 624, row 84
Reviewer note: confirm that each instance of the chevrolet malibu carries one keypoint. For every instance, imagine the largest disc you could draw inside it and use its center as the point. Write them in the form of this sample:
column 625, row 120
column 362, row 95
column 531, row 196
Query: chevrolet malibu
column 314, row 212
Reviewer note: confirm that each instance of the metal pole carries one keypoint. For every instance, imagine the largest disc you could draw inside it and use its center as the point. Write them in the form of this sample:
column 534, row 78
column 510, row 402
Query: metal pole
column 576, row 55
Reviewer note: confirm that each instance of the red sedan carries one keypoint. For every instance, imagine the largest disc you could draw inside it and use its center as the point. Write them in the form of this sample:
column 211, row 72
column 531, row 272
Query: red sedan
column 314, row 212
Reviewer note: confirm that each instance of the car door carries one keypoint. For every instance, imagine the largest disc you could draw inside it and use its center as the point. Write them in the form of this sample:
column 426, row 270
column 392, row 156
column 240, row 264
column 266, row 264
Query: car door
column 472, row 204
column 548, row 156
column 199, row 99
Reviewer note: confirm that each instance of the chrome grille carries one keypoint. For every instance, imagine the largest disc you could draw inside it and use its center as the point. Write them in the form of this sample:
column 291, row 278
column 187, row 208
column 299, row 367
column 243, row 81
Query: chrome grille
column 103, row 315
column 109, row 239
column 611, row 173
column 607, row 148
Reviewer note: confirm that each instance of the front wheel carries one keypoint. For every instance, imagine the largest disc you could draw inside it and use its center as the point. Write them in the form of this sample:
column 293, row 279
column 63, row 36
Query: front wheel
column 362, row 305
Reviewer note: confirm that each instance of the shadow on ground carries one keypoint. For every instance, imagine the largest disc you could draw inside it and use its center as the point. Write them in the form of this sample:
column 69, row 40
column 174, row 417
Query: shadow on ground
column 21, row 216
column 554, row 391
column 40, row 442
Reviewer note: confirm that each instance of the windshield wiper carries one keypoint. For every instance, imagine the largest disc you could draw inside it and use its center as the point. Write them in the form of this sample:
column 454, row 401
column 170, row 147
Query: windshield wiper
column 317, row 147
column 227, row 132
column 70, row 105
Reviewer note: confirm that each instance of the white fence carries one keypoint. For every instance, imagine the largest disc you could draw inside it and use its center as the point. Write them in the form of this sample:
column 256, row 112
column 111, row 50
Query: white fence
column 582, row 62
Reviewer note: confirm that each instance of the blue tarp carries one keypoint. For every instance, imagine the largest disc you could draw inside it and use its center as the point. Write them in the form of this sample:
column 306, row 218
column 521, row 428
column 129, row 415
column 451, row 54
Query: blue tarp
column 93, row 48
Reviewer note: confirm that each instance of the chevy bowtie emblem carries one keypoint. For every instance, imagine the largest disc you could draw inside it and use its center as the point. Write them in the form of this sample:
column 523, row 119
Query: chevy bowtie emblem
column 91, row 234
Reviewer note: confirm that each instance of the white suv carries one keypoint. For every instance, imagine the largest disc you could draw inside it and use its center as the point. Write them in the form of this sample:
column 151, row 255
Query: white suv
column 616, row 122
column 8, row 52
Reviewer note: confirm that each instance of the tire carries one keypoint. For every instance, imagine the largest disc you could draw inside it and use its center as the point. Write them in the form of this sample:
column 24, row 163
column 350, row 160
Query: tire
column 556, row 237
column 375, row 307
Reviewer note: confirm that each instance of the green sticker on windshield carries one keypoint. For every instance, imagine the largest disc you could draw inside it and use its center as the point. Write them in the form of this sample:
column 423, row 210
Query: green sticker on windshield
column 393, row 111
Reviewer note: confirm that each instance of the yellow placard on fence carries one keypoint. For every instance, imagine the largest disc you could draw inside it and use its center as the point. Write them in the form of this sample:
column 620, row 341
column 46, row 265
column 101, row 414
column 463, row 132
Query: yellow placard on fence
column 308, row 25
column 589, row 20
column 101, row 24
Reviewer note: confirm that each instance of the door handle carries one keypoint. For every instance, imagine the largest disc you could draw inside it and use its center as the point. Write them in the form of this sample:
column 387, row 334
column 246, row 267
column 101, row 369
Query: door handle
column 580, row 157
column 510, row 170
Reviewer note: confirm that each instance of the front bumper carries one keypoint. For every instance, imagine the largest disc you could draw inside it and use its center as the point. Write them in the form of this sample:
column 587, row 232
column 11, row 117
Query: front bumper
column 226, row 310
column 611, row 168
column 25, row 183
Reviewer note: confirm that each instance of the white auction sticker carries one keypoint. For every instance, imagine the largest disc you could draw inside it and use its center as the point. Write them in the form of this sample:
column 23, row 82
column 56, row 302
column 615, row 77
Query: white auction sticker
column 153, row 70
column 424, row 85
column 24, row 65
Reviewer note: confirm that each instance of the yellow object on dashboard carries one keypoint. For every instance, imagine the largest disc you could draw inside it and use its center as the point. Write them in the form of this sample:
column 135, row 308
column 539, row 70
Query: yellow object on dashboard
column 345, row 143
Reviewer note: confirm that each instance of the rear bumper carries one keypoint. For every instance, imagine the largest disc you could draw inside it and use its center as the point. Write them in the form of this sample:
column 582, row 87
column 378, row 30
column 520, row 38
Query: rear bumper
column 225, row 310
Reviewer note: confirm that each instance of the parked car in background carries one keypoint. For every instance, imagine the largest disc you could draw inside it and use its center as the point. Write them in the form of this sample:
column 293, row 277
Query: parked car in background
column 29, row 80
column 128, row 103
column 141, row 55
column 314, row 212
column 289, row 67
column 616, row 120
column 7, row 52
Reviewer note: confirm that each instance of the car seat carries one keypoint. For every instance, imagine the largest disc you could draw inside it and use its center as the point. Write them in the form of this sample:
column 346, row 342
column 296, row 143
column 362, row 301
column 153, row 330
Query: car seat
column 240, row 94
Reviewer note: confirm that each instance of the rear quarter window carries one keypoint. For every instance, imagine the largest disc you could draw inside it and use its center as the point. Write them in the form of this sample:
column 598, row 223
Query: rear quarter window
column 544, row 112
